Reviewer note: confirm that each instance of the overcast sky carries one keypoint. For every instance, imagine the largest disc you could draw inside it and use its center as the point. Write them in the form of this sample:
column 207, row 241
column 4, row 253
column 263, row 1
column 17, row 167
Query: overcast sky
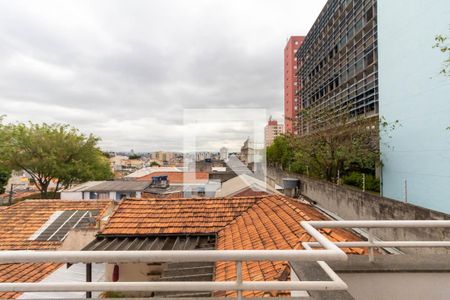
column 125, row 70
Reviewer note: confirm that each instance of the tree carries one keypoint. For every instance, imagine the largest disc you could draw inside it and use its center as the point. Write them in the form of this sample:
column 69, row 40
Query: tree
column 442, row 43
column 57, row 153
column 332, row 143
column 5, row 174
column 154, row 164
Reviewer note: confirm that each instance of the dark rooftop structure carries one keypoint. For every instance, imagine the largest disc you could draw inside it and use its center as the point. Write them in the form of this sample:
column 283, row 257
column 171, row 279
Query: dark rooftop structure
column 155, row 242
column 187, row 271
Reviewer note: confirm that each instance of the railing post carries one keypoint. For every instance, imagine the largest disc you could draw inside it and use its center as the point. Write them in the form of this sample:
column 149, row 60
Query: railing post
column 371, row 257
column 88, row 278
column 239, row 279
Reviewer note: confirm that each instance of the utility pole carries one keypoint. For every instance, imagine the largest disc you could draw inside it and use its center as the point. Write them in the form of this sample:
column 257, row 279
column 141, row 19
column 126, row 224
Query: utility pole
column 11, row 192
column 364, row 182
column 406, row 190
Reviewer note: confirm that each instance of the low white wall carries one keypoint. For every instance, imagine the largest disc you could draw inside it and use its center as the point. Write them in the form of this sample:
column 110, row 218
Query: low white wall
column 398, row 286
column 77, row 239
column 71, row 195
column 135, row 272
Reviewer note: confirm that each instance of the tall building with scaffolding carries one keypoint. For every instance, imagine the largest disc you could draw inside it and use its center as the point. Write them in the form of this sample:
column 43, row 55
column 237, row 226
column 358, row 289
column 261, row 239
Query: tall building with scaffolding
column 337, row 69
column 375, row 59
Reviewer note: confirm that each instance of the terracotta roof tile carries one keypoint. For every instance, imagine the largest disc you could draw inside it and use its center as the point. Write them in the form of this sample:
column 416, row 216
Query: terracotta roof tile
column 175, row 216
column 28, row 272
column 22, row 220
column 272, row 223
column 257, row 222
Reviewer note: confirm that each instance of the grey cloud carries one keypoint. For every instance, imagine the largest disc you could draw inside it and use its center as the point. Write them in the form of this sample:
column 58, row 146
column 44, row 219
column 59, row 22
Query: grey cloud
column 126, row 70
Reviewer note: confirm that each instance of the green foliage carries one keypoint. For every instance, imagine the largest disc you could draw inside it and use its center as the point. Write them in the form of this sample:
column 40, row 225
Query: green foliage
column 356, row 179
column 334, row 144
column 281, row 152
column 5, row 174
column 110, row 294
column 442, row 43
column 154, row 164
column 107, row 154
column 134, row 156
column 54, row 152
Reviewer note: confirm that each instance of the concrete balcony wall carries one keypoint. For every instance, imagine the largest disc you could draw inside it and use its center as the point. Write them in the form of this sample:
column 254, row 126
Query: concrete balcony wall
column 352, row 204
column 399, row 286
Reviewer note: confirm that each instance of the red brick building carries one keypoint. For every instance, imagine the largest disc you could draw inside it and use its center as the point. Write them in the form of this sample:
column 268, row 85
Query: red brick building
column 292, row 103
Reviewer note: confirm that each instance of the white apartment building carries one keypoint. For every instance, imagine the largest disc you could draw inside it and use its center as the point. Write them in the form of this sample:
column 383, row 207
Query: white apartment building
column 223, row 153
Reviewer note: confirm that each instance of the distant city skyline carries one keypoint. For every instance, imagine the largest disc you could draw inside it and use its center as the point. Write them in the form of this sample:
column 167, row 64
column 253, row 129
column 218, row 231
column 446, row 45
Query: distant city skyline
column 125, row 71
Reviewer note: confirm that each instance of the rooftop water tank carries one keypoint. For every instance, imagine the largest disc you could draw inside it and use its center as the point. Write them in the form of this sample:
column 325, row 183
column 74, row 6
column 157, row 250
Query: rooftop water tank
column 290, row 183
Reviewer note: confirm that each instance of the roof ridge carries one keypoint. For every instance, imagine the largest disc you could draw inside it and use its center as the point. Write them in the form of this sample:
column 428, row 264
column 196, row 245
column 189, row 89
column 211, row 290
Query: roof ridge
column 65, row 201
column 262, row 197
column 216, row 212
column 114, row 210
column 244, row 211
column 290, row 202
column 194, row 199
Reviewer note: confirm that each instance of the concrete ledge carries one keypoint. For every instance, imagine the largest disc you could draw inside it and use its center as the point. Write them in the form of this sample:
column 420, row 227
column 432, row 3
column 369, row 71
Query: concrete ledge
column 433, row 263
column 350, row 204
column 310, row 270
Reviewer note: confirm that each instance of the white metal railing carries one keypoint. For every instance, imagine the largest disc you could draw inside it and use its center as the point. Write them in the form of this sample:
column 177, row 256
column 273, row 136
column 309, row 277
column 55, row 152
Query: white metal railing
column 331, row 251
column 370, row 225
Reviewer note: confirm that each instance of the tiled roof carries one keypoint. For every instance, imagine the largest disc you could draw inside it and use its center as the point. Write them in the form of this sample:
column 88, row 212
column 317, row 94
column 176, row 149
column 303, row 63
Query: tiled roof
column 258, row 222
column 175, row 215
column 272, row 223
column 19, row 222
column 26, row 272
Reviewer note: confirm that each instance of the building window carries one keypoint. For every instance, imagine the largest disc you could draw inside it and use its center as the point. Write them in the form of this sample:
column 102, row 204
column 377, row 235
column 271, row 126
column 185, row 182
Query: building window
column 296, row 42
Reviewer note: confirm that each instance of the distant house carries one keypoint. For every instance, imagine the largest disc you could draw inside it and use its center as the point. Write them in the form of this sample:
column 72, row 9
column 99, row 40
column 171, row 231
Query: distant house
column 114, row 190
column 245, row 185
column 38, row 225
column 77, row 192
column 147, row 171
column 179, row 177
column 180, row 183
